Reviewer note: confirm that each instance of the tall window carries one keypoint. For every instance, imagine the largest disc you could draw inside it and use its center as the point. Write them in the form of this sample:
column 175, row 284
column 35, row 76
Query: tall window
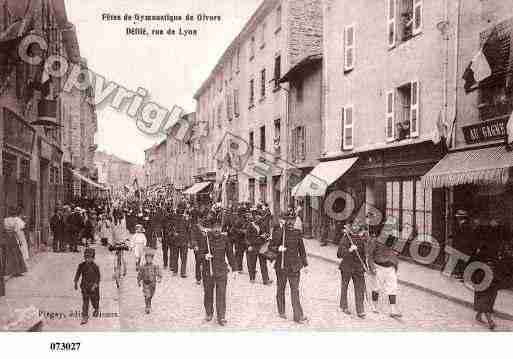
column 389, row 116
column 404, row 20
column 262, row 35
column 347, row 126
column 251, row 142
column 277, row 137
column 277, row 71
column 236, row 109
column 262, row 138
column 251, row 93
column 349, row 46
column 229, row 108
column 262, row 84
column 252, row 48
column 278, row 19
column 411, row 204
column 299, row 144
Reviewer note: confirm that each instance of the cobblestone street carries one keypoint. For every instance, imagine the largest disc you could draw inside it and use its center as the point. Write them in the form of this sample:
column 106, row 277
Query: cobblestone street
column 178, row 303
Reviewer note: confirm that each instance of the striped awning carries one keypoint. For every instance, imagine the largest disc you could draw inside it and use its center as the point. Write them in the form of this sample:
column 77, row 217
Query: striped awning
column 481, row 166
column 196, row 188
column 322, row 176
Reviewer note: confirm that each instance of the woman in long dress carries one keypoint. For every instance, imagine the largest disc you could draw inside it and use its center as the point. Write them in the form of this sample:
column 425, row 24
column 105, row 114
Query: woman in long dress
column 15, row 240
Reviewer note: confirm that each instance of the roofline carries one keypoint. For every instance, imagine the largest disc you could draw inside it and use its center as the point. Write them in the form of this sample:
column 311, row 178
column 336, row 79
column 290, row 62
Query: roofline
column 264, row 9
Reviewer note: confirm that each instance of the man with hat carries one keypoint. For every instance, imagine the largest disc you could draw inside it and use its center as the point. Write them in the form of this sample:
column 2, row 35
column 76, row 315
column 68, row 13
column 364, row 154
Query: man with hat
column 181, row 240
column 58, row 228
column 149, row 275
column 89, row 273
column 239, row 228
column 288, row 243
column 212, row 247
column 463, row 240
column 255, row 240
column 383, row 262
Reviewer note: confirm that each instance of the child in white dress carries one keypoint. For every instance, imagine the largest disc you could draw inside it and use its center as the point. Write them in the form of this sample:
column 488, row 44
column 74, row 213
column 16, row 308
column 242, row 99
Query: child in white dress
column 138, row 244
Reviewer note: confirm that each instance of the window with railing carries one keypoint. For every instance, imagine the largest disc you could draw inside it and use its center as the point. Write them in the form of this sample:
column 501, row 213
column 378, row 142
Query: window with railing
column 494, row 98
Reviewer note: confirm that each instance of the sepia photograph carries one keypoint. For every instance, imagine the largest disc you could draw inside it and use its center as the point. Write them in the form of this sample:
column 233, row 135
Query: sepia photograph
column 255, row 166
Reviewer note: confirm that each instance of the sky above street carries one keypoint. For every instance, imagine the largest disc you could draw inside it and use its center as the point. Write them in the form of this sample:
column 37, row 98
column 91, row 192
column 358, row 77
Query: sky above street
column 171, row 68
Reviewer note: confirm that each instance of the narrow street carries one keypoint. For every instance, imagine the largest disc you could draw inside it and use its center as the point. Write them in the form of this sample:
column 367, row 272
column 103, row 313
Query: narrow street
column 178, row 304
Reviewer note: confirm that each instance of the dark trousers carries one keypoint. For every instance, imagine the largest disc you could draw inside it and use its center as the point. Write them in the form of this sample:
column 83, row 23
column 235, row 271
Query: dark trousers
column 239, row 256
column 252, row 257
column 219, row 283
column 282, row 276
column 166, row 252
column 92, row 296
column 359, row 289
column 73, row 241
column 182, row 253
column 197, row 266
column 58, row 243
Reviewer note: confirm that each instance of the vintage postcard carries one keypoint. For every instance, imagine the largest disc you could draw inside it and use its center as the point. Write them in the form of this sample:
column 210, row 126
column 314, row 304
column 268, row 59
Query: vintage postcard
column 257, row 165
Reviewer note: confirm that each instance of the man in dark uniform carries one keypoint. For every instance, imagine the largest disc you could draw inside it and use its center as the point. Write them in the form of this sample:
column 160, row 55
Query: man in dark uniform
column 195, row 231
column 57, row 226
column 352, row 251
column 212, row 247
column 239, row 237
column 168, row 236
column 255, row 241
column 287, row 242
column 181, row 241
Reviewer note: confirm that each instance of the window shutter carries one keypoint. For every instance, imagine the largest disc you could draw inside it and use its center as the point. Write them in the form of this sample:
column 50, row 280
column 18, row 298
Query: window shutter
column 414, row 109
column 391, row 28
column 349, row 38
column 417, row 16
column 389, row 117
column 342, row 127
column 348, row 128
column 303, row 143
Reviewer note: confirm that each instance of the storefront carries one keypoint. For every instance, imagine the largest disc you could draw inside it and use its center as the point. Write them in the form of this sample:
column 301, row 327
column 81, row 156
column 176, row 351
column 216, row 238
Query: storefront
column 479, row 181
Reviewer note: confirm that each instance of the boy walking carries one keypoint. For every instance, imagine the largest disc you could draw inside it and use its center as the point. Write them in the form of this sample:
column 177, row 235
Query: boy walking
column 149, row 274
column 89, row 273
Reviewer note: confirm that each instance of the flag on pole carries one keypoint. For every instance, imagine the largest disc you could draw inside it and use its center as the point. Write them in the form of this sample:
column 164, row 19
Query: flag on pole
column 480, row 67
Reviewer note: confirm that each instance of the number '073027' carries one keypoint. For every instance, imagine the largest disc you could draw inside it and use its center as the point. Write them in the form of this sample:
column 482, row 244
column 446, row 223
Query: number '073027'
column 65, row 346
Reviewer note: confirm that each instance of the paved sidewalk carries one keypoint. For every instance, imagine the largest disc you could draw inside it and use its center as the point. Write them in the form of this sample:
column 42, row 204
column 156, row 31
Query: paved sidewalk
column 425, row 279
column 48, row 286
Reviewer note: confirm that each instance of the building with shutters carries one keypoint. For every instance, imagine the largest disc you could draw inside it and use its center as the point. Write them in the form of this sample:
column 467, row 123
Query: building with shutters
column 32, row 139
column 245, row 106
column 388, row 70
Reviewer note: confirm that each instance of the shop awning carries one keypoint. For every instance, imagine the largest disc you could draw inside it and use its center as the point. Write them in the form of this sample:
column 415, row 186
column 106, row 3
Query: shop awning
column 322, row 176
column 481, row 166
column 88, row 180
column 196, row 188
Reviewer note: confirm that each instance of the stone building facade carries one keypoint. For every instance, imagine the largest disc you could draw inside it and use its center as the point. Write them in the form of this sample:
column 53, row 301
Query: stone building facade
column 245, row 106
column 116, row 173
column 31, row 145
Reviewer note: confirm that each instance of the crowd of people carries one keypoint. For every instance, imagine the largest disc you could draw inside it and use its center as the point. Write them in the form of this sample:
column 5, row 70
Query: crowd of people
column 220, row 238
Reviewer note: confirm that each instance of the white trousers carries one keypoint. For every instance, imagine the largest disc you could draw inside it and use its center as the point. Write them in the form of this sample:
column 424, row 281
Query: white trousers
column 385, row 280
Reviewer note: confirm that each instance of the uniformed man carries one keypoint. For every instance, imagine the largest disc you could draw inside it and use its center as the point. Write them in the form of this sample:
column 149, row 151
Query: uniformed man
column 167, row 238
column 181, row 241
column 287, row 242
column 239, row 237
column 352, row 252
column 211, row 245
column 255, row 240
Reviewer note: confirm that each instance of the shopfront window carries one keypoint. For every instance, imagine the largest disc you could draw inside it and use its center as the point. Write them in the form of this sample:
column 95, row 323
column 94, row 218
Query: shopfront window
column 411, row 204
